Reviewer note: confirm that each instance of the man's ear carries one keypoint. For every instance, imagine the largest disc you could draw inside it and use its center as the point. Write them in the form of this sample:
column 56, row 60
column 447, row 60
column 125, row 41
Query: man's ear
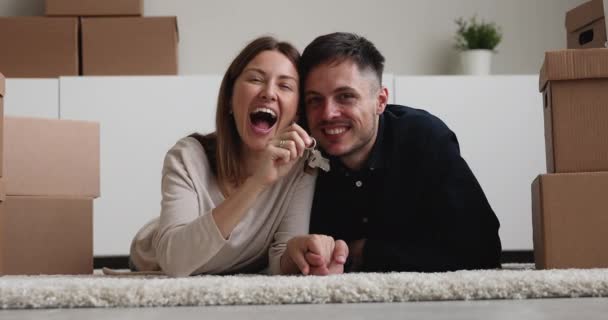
column 382, row 100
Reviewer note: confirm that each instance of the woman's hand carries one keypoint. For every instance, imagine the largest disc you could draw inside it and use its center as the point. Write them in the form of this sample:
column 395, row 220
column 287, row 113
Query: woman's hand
column 281, row 154
column 314, row 254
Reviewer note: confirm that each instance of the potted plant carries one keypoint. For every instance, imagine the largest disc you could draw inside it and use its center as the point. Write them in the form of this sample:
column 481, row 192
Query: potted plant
column 476, row 42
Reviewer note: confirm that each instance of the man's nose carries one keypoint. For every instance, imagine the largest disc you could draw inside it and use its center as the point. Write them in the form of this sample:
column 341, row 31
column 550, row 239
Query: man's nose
column 330, row 110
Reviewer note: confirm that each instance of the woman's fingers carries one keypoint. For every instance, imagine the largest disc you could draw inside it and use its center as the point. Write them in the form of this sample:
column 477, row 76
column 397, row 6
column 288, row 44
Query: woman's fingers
column 296, row 134
column 292, row 141
column 306, row 138
column 290, row 146
column 281, row 155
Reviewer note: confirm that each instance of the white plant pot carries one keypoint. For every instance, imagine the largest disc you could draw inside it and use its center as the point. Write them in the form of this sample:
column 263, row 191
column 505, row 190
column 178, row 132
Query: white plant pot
column 476, row 62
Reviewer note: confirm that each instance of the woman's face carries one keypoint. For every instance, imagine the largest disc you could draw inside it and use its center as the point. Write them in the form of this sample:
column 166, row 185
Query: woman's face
column 265, row 98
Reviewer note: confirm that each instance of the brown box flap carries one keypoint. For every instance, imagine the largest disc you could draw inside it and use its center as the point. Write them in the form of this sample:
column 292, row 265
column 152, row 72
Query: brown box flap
column 2, row 88
column 573, row 64
column 94, row 7
column 584, row 14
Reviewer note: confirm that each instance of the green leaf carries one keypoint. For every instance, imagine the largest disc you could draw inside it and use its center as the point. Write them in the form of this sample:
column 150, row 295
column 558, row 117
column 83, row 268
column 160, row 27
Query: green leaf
column 473, row 34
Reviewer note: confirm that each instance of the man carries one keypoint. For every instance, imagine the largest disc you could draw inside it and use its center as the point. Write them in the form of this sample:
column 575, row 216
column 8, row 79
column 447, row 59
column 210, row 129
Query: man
column 398, row 191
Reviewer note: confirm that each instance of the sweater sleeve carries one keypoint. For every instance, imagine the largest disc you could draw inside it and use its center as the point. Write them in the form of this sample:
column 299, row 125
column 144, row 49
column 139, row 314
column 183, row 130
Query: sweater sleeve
column 187, row 237
column 295, row 222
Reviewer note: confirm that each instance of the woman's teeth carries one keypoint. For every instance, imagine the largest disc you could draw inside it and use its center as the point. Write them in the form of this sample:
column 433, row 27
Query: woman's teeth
column 265, row 110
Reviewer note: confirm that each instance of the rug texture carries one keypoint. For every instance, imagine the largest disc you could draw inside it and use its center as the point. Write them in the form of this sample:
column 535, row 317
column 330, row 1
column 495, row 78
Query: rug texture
column 107, row 291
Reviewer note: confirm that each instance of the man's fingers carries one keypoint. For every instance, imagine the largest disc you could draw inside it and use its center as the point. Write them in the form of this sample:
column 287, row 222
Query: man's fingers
column 340, row 252
column 335, row 268
column 300, row 261
column 314, row 260
column 319, row 271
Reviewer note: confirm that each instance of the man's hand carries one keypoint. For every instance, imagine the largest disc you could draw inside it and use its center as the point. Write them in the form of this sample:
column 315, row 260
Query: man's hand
column 315, row 254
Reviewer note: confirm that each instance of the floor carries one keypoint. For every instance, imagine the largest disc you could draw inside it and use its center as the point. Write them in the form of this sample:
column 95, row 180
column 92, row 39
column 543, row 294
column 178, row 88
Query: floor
column 555, row 309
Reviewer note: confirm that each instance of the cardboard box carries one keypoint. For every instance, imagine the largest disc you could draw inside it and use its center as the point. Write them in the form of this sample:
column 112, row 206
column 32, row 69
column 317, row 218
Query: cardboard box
column 129, row 46
column 47, row 157
column 575, row 90
column 570, row 219
column 94, row 7
column 42, row 235
column 39, row 47
column 2, row 90
column 586, row 25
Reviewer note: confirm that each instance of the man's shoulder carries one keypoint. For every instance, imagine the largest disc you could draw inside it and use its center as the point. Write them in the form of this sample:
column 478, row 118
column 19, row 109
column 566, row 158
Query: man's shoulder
column 413, row 122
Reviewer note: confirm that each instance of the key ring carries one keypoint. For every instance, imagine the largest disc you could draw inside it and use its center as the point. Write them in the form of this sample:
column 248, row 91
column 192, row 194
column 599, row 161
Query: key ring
column 313, row 146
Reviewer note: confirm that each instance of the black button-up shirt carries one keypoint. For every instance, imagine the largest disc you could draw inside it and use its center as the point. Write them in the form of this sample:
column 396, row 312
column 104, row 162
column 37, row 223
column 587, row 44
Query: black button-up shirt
column 415, row 201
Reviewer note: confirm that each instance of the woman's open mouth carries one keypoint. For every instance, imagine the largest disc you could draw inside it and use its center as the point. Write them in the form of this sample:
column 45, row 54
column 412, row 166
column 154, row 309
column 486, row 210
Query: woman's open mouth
column 262, row 120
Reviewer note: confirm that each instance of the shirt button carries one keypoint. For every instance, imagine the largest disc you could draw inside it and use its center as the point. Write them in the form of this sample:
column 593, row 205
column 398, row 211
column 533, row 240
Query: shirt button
column 359, row 184
column 364, row 220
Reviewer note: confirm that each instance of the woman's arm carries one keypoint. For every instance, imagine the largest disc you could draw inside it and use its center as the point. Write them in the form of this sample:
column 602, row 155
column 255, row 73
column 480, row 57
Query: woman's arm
column 294, row 223
column 187, row 236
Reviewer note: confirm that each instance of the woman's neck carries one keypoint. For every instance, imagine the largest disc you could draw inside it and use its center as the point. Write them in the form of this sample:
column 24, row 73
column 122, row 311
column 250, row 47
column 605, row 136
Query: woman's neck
column 249, row 160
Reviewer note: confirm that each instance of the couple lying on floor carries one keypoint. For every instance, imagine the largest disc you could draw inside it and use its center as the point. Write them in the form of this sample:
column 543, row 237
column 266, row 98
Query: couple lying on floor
column 373, row 188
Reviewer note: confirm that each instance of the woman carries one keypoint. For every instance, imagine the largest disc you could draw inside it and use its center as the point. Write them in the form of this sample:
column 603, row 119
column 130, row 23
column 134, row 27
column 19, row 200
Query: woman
column 232, row 199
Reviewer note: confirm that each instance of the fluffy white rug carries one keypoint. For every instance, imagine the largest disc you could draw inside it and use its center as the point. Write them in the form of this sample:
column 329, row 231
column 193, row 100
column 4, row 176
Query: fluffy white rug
column 105, row 291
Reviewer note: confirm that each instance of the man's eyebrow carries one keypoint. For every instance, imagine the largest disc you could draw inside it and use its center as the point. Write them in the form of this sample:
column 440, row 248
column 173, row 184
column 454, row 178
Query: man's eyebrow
column 344, row 88
column 312, row 92
column 339, row 89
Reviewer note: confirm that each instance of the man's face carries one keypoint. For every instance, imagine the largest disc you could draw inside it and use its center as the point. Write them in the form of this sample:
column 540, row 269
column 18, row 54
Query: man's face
column 342, row 107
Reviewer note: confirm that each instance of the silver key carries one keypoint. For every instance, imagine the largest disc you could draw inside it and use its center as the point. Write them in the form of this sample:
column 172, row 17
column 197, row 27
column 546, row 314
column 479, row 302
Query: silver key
column 315, row 159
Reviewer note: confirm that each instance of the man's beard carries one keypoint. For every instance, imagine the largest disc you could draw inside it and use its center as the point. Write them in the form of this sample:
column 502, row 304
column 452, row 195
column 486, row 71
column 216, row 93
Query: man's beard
column 359, row 144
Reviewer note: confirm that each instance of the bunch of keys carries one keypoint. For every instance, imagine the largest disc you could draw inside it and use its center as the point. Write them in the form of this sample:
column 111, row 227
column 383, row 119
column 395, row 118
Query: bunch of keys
column 315, row 159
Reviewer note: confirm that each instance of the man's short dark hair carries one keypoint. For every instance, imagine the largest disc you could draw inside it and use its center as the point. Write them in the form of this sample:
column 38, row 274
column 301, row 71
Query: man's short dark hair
column 338, row 47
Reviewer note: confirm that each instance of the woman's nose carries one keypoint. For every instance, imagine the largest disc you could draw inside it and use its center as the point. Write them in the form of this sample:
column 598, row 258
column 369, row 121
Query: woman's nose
column 268, row 93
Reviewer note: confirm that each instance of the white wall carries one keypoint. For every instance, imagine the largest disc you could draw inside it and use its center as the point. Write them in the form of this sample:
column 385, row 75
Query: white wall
column 416, row 36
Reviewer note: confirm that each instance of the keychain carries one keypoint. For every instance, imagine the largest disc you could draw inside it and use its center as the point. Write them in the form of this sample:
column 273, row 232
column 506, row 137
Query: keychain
column 315, row 159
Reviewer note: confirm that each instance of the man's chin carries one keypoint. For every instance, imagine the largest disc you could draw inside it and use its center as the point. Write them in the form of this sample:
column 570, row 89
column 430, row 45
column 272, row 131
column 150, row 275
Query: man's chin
column 335, row 150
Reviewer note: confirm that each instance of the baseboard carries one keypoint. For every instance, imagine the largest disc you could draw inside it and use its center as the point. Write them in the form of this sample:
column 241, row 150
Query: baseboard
column 517, row 256
column 122, row 262
column 113, row 262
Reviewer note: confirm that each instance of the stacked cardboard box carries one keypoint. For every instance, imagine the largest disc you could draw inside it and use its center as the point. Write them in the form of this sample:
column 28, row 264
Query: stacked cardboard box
column 2, row 89
column 39, row 47
column 116, row 40
column 89, row 37
column 586, row 25
column 129, row 45
column 570, row 202
column 49, row 179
